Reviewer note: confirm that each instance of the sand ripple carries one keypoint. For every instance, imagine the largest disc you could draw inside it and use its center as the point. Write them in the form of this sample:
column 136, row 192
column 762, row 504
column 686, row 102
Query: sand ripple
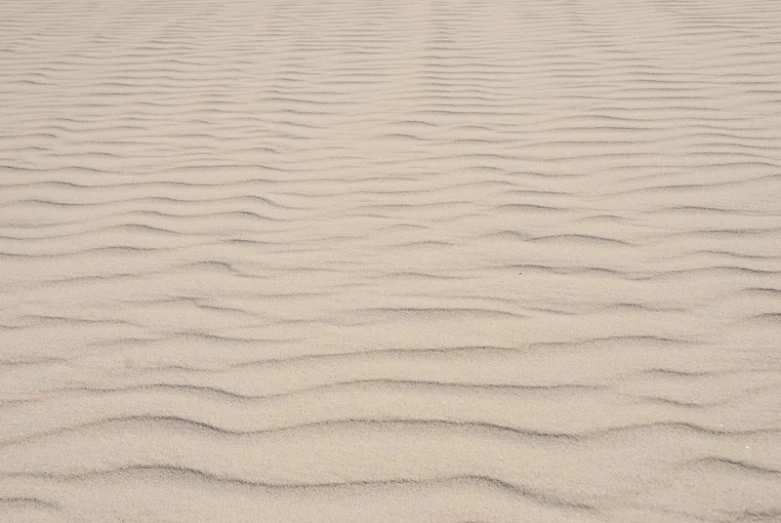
column 427, row 261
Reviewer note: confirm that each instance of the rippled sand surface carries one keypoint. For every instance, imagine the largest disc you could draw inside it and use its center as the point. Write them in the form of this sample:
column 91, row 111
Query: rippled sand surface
column 368, row 261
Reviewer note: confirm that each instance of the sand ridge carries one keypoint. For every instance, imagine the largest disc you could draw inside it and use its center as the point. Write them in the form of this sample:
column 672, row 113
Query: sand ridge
column 433, row 261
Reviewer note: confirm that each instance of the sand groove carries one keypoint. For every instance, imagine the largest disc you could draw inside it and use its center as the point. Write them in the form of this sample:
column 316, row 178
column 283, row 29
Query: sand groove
column 441, row 261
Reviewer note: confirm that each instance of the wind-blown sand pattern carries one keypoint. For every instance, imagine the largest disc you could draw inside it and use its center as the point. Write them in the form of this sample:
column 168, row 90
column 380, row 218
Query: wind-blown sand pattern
column 418, row 261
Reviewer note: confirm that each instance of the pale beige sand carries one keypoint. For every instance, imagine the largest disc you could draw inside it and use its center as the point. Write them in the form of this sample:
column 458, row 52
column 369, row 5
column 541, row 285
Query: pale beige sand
column 272, row 261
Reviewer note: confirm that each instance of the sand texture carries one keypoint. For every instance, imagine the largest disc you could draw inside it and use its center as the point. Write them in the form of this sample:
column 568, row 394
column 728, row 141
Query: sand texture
column 390, row 262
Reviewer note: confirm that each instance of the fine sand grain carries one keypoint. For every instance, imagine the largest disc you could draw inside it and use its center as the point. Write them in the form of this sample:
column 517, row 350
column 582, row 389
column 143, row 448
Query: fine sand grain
column 387, row 262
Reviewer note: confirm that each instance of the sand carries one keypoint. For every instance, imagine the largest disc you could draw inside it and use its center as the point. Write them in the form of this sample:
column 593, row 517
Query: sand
column 365, row 261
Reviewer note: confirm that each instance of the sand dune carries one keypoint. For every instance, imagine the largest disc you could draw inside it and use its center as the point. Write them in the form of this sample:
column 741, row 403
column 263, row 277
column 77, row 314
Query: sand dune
column 353, row 261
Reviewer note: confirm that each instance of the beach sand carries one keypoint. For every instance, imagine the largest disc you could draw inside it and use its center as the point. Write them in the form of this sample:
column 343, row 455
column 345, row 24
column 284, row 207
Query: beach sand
column 374, row 262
